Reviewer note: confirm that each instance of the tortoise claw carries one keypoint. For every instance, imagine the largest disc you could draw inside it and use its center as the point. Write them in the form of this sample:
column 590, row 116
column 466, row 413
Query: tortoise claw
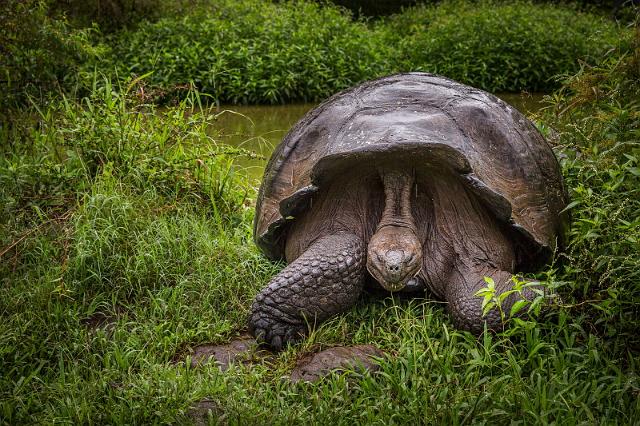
column 260, row 334
column 276, row 343
column 273, row 332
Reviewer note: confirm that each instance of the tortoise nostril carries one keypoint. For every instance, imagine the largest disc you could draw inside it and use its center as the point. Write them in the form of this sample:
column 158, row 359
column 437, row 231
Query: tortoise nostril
column 393, row 261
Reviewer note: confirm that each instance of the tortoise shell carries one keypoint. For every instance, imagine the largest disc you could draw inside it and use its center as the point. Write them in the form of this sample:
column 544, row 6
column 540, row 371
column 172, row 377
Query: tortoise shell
column 494, row 149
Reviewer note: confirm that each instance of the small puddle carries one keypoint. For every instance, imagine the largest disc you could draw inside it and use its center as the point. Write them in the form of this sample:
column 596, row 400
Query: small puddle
column 259, row 129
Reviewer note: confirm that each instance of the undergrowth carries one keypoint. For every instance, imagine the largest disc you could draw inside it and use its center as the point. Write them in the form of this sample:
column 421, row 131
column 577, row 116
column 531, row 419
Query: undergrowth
column 596, row 122
column 500, row 46
column 246, row 52
column 251, row 51
column 39, row 54
column 112, row 212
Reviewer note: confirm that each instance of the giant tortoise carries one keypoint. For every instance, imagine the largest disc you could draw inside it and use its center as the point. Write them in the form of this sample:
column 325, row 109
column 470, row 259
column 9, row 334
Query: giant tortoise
column 408, row 182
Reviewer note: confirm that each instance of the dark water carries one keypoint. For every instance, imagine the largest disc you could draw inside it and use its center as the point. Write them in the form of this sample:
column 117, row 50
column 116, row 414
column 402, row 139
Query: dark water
column 260, row 128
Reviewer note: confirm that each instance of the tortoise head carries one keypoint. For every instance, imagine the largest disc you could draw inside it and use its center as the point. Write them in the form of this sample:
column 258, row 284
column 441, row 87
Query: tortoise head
column 394, row 255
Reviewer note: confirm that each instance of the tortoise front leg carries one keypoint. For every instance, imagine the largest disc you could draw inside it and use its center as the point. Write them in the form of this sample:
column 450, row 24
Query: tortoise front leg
column 466, row 308
column 325, row 280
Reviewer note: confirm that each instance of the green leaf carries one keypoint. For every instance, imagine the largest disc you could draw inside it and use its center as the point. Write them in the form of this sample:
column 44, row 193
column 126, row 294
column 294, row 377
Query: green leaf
column 517, row 307
column 490, row 283
column 486, row 308
column 570, row 206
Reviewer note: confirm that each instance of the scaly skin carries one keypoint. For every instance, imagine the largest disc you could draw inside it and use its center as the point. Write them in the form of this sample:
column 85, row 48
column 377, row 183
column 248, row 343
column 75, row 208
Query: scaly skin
column 325, row 280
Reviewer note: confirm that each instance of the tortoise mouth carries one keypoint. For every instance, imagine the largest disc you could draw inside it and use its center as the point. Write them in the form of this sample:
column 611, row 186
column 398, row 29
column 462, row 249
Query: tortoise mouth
column 392, row 282
column 394, row 265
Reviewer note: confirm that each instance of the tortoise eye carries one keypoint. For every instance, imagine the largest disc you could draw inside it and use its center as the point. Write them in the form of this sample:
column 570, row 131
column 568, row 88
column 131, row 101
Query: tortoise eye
column 409, row 258
column 380, row 257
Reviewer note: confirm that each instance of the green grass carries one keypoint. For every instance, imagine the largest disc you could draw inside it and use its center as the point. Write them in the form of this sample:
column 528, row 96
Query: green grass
column 125, row 241
column 595, row 122
column 110, row 206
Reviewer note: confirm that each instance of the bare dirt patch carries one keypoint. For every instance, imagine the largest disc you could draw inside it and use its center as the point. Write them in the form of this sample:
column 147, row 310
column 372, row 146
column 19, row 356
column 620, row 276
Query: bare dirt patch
column 243, row 350
column 313, row 367
column 310, row 368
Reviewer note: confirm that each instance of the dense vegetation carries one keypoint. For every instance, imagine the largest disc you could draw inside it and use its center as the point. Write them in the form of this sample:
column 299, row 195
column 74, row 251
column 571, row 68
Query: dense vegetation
column 246, row 52
column 596, row 123
column 38, row 54
column 377, row 8
column 301, row 51
column 499, row 47
column 250, row 51
column 125, row 241
column 110, row 207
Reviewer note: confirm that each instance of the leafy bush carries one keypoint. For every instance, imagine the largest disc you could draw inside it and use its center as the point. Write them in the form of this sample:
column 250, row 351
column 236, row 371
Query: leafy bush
column 376, row 7
column 39, row 54
column 246, row 51
column 387, row 7
column 249, row 51
column 596, row 117
column 500, row 46
column 113, row 15
column 110, row 15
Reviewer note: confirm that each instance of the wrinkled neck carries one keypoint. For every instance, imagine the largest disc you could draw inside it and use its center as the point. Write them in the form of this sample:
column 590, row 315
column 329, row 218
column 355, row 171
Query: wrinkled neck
column 397, row 200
